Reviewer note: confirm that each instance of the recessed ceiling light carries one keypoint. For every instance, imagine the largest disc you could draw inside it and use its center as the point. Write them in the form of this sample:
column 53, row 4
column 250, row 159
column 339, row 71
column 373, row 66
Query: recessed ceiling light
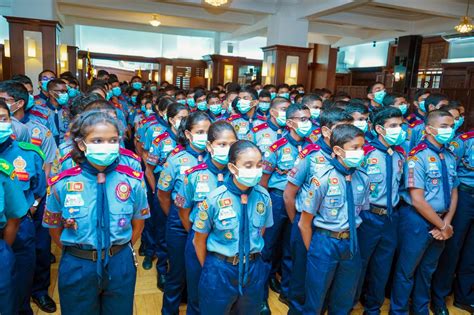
column 154, row 22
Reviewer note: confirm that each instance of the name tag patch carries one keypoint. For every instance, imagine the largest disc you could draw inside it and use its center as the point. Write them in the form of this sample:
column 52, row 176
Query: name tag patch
column 73, row 200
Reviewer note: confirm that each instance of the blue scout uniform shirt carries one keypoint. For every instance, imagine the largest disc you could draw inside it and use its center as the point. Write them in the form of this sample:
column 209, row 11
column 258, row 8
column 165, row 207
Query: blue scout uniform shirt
column 376, row 168
column 243, row 125
column 178, row 162
column 41, row 113
column 71, row 203
column 154, row 130
column 41, row 137
column 315, row 134
column 220, row 216
column 20, row 131
column 463, row 148
column 12, row 200
column 215, row 118
column 327, row 198
column 280, row 158
column 415, row 133
column 160, row 148
column 264, row 135
column 424, row 170
column 199, row 181
column 27, row 159
column 61, row 121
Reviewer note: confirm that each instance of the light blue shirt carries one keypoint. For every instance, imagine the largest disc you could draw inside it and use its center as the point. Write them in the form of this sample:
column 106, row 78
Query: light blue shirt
column 463, row 148
column 12, row 200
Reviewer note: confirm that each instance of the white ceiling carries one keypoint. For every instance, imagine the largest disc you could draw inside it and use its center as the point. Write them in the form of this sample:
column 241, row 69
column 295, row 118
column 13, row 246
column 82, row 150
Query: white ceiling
column 335, row 22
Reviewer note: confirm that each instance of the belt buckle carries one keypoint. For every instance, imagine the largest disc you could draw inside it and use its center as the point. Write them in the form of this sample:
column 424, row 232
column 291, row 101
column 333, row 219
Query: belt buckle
column 94, row 255
column 235, row 261
column 342, row 235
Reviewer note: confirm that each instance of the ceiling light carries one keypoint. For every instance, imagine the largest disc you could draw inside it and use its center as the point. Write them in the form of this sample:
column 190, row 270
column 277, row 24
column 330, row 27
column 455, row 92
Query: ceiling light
column 216, row 3
column 155, row 21
column 466, row 25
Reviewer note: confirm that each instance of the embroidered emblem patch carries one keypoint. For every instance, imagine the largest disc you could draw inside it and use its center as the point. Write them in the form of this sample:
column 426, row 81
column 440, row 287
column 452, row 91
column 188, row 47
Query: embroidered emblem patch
column 122, row 191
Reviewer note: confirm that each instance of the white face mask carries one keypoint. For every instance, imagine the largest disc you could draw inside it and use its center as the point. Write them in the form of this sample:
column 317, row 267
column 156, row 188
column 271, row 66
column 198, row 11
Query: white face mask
column 361, row 124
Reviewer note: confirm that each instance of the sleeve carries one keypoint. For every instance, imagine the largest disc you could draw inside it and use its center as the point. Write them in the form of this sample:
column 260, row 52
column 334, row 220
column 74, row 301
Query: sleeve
column 49, row 148
column 53, row 210
column 269, row 162
column 203, row 222
column 366, row 204
column 167, row 176
column 16, row 205
column 457, row 148
column 313, row 202
column 298, row 173
column 415, row 170
column 52, row 124
column 39, row 188
column 148, row 139
column 269, row 212
column 153, row 154
column 141, row 209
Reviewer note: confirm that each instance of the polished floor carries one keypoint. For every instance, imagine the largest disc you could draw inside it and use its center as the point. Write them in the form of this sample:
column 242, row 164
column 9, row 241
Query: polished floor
column 148, row 298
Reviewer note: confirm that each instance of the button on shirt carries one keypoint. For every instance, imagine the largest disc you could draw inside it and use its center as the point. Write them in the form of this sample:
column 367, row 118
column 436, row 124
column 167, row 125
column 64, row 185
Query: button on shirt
column 463, row 148
column 12, row 200
column 219, row 216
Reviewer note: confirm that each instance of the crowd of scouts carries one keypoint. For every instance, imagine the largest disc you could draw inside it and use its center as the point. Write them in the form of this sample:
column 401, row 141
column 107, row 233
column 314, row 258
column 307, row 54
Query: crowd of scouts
column 327, row 200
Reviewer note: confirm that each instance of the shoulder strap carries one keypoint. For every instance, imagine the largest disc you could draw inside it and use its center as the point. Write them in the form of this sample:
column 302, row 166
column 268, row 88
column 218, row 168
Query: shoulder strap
column 198, row 167
column 260, row 127
column 466, row 136
column 178, row 149
column 31, row 147
column 368, row 148
column 129, row 153
column 309, row 149
column 278, row 144
column 417, row 149
column 6, row 167
column 161, row 137
column 67, row 173
column 400, row 150
column 234, row 117
column 129, row 171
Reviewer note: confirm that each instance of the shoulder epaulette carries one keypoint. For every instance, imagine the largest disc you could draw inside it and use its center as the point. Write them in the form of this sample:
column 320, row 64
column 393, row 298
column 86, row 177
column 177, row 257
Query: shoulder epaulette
column 31, row 147
column 400, row 150
column 316, row 131
column 415, row 123
column 260, row 127
column 65, row 157
column 417, row 149
column 466, row 136
column 70, row 172
column 368, row 148
column 38, row 114
column 129, row 153
column 150, row 118
column 198, row 167
column 234, row 117
column 176, row 150
column 161, row 137
column 129, row 171
column 260, row 117
column 411, row 117
column 278, row 144
column 309, row 149
column 6, row 167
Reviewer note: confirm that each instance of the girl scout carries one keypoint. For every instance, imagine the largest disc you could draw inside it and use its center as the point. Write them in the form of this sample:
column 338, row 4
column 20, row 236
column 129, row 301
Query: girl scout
column 199, row 182
column 192, row 139
column 95, row 212
column 229, row 231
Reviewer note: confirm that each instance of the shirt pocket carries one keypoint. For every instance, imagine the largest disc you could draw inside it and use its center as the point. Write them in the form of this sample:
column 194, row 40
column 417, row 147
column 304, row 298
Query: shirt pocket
column 227, row 230
column 258, row 224
column 332, row 207
column 434, row 181
column 121, row 218
column 452, row 174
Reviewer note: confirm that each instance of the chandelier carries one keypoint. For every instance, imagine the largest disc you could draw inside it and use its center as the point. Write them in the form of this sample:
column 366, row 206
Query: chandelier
column 216, row 3
column 466, row 25
column 154, row 22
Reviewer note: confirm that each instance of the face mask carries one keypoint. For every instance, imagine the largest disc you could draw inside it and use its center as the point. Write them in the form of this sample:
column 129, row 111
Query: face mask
column 273, row 95
column 361, row 124
column 244, row 106
column 199, row 141
column 264, row 106
column 31, row 102
column 353, row 158
column 44, row 85
column 458, row 123
column 215, row 109
column 143, row 108
column 315, row 112
column 191, row 102
column 181, row 102
column 137, row 85
column 403, row 108
column 301, row 92
column 134, row 99
column 165, row 117
column 153, row 88
column 108, row 96
column 421, row 105
column 394, row 136
column 5, row 131
column 102, row 154
column 202, row 106
column 62, row 98
column 72, row 91
column 249, row 177
column 444, row 135
column 176, row 124
column 221, row 155
column 10, row 107
column 281, row 119
column 304, row 128
column 379, row 95
column 285, row 95
column 116, row 91
column 148, row 112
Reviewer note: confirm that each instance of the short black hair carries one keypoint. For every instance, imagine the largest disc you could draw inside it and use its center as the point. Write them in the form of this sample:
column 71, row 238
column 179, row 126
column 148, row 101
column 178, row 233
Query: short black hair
column 211, row 95
column 233, row 87
column 264, row 93
column 283, row 86
column 343, row 134
column 435, row 114
column 55, row 82
column 22, row 79
column 337, row 104
column 188, row 124
column 251, row 91
column 309, row 98
column 370, row 87
column 420, row 92
column 216, row 129
column 40, row 75
column 199, row 93
column 340, row 96
column 278, row 100
column 333, row 116
column 240, row 147
column 293, row 108
column 390, row 98
column 434, row 99
column 102, row 72
column 380, row 116
column 174, row 109
column 16, row 90
column 80, row 102
column 356, row 107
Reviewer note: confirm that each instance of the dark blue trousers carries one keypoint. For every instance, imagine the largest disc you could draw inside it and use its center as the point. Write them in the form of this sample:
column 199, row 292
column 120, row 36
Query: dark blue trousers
column 462, row 223
column 278, row 235
column 193, row 274
column 219, row 288
column 332, row 274
column 7, row 267
column 176, row 237
column 79, row 289
column 417, row 260
column 42, row 277
column 463, row 290
column 296, row 293
column 378, row 239
column 25, row 259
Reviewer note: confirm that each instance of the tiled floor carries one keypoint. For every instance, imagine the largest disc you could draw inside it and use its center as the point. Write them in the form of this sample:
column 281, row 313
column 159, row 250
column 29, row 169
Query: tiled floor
column 148, row 298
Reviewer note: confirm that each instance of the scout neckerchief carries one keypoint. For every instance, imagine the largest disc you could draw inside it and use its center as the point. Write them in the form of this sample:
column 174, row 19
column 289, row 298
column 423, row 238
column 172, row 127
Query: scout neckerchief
column 324, row 146
column 347, row 173
column 103, row 215
column 161, row 121
column 244, row 233
column 275, row 128
column 297, row 144
column 388, row 151
column 5, row 144
column 220, row 173
column 198, row 155
column 444, row 172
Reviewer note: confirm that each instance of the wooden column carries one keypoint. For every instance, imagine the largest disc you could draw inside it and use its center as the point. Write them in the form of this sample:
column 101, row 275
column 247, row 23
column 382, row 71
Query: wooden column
column 219, row 62
column 322, row 69
column 279, row 54
column 5, row 72
column 72, row 58
column 406, row 63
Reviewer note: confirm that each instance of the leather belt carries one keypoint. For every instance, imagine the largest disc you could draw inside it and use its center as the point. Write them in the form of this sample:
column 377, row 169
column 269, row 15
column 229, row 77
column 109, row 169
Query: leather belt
column 234, row 260
column 378, row 210
column 344, row 235
column 93, row 254
column 466, row 188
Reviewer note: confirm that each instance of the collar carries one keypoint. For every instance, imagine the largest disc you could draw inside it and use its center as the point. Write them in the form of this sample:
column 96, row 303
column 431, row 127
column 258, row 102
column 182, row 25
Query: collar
column 26, row 118
column 213, row 168
column 87, row 167
column 433, row 147
column 194, row 153
column 272, row 125
column 5, row 144
column 293, row 142
column 51, row 106
column 341, row 168
column 326, row 149
column 41, row 94
column 171, row 133
column 376, row 143
column 160, row 120
column 229, row 183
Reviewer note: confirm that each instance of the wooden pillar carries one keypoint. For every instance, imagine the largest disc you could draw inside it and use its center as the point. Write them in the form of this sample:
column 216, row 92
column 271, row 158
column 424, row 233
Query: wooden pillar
column 5, row 72
column 322, row 69
column 406, row 63
column 277, row 60
column 72, row 58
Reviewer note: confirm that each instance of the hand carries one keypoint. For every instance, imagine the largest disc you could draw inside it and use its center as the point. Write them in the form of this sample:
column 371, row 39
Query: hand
column 448, row 232
column 437, row 234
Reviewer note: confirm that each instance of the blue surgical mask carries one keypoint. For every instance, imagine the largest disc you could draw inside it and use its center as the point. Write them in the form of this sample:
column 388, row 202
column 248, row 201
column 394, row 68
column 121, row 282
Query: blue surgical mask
column 72, row 92
column 116, row 91
column 199, row 141
column 403, row 108
column 134, row 99
column 62, row 98
column 444, row 135
column 191, row 103
column 165, row 117
column 143, row 108
column 315, row 112
column 458, row 123
column 102, row 154
column 281, row 119
column 148, row 112
column 394, row 136
column 285, row 95
column 304, row 128
column 221, row 155
column 202, row 106
column 153, row 88
column 273, row 95
column 421, row 105
column 379, row 95
column 362, row 125
column 31, row 102
column 353, row 158
column 181, row 102
column 244, row 106
column 216, row 109
column 249, row 177
column 5, row 131
column 264, row 106
column 44, row 85
column 176, row 124
column 137, row 85
column 108, row 96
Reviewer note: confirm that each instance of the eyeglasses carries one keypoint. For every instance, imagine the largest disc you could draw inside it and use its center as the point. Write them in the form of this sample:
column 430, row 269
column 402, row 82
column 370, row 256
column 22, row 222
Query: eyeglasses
column 302, row 119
